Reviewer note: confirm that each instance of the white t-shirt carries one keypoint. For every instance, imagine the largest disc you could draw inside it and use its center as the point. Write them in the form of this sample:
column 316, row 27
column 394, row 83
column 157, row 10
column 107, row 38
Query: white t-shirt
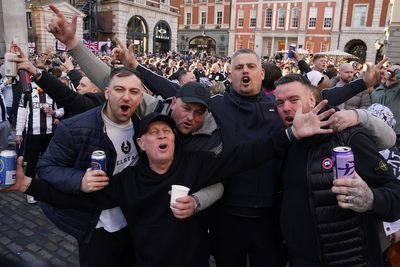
column 121, row 136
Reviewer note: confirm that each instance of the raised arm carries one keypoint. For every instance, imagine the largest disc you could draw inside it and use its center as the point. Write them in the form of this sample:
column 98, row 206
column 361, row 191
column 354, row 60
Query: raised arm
column 65, row 31
column 159, row 85
column 383, row 134
column 339, row 95
column 71, row 101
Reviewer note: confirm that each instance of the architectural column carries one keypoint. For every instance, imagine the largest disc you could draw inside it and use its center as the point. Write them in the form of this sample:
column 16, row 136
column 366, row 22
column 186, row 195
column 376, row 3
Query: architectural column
column 274, row 16
column 393, row 46
column 272, row 46
column 13, row 24
column 258, row 44
column 286, row 43
column 232, row 41
column 287, row 14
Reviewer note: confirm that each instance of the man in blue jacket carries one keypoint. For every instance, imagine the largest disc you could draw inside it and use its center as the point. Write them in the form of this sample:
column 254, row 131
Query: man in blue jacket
column 103, row 237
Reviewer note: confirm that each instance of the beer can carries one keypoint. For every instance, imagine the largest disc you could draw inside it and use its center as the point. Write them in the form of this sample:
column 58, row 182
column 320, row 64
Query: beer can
column 98, row 160
column 10, row 68
column 8, row 165
column 343, row 162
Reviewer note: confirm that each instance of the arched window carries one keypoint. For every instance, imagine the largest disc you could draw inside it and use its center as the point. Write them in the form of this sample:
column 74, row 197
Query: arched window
column 162, row 37
column 137, row 34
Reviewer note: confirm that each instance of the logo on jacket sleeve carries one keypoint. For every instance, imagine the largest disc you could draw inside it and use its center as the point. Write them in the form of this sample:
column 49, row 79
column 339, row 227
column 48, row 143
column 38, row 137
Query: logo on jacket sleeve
column 327, row 163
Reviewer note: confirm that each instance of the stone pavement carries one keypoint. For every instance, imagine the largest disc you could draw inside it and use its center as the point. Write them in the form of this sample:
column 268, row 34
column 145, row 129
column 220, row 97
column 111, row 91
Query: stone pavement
column 28, row 238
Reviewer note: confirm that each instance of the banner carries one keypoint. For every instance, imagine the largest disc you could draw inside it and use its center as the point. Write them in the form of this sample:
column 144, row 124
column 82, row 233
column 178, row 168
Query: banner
column 92, row 45
column 60, row 46
column 31, row 47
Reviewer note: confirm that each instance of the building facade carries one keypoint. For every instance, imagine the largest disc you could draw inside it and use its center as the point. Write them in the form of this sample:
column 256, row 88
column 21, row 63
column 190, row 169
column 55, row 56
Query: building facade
column 150, row 25
column 354, row 26
column 204, row 26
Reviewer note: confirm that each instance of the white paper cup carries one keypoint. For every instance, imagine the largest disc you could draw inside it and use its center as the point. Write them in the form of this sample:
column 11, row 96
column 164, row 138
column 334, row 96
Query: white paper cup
column 178, row 191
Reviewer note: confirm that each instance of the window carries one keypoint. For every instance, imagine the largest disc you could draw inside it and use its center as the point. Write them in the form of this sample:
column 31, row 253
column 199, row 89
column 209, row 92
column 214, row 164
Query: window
column 203, row 18
column 250, row 44
column 312, row 19
column 328, row 17
column 281, row 18
column 238, row 44
column 29, row 19
column 253, row 18
column 295, row 18
column 240, row 18
column 360, row 15
column 219, row 17
column 188, row 18
column 310, row 46
column 324, row 46
column 268, row 18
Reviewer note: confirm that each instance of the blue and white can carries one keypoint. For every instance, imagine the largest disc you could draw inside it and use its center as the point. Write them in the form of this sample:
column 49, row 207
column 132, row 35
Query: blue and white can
column 99, row 160
column 8, row 165
column 343, row 160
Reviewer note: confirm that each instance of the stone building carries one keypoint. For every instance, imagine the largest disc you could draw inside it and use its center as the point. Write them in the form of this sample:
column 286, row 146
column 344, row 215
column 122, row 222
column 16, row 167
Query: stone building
column 150, row 25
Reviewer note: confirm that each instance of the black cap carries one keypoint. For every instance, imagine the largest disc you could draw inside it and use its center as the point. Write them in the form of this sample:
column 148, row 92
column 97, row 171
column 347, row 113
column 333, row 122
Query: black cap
column 194, row 92
column 152, row 117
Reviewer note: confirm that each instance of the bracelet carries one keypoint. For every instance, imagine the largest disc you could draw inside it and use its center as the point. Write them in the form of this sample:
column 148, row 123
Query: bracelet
column 290, row 135
column 197, row 207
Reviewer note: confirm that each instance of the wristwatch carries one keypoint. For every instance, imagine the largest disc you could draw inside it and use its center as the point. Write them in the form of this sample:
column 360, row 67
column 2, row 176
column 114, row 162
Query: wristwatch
column 38, row 75
column 197, row 206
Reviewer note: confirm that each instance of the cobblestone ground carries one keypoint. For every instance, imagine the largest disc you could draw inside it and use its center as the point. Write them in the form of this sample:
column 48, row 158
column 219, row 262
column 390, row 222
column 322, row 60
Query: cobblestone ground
column 28, row 238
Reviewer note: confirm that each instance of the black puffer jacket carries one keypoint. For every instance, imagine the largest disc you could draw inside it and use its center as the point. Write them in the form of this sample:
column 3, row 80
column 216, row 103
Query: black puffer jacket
column 65, row 162
column 316, row 229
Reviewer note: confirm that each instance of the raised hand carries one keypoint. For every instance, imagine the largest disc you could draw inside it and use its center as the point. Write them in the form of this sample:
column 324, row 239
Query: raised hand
column 125, row 55
column 23, row 62
column 62, row 29
column 371, row 76
column 67, row 64
column 311, row 123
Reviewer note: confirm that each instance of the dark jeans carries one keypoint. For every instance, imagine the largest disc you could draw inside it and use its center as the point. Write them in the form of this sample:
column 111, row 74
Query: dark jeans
column 234, row 238
column 398, row 141
column 107, row 249
column 35, row 146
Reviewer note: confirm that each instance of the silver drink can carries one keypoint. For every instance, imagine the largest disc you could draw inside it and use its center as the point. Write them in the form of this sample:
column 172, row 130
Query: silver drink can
column 10, row 68
column 343, row 160
column 98, row 160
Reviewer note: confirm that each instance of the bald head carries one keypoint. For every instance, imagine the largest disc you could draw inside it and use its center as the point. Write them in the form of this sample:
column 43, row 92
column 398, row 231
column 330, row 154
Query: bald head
column 346, row 72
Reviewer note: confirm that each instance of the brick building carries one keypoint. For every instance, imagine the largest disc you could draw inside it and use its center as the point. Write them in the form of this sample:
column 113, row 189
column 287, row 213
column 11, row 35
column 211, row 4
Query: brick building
column 355, row 26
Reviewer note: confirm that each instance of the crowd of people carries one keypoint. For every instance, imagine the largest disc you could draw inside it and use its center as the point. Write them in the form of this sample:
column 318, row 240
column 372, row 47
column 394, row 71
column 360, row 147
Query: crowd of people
column 252, row 140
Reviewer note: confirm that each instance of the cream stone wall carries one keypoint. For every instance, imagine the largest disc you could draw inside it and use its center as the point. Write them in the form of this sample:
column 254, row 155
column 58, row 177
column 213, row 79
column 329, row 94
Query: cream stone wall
column 124, row 11
column 42, row 16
